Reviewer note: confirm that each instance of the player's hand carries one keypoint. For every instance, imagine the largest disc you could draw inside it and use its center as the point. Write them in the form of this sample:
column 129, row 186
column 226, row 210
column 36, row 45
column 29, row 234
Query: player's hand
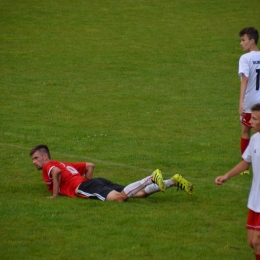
column 241, row 109
column 220, row 180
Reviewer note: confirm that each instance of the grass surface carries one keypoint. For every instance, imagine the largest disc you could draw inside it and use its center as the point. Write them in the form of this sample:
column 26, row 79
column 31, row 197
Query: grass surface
column 131, row 86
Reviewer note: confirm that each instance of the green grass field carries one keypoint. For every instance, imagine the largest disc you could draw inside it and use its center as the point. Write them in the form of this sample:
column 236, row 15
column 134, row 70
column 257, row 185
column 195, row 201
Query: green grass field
column 130, row 86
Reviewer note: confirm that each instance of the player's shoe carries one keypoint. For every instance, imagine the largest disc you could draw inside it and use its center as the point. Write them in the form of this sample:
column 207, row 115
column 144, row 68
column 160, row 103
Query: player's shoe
column 183, row 184
column 158, row 179
column 246, row 172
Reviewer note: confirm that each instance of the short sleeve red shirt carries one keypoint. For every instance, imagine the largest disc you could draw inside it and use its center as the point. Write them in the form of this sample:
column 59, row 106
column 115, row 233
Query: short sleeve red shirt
column 71, row 176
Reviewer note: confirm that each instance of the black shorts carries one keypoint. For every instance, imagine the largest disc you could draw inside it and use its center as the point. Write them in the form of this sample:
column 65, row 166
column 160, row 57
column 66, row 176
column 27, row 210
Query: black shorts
column 97, row 188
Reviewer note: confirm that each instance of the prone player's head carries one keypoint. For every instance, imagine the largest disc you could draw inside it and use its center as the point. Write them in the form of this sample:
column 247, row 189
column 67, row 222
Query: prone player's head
column 40, row 154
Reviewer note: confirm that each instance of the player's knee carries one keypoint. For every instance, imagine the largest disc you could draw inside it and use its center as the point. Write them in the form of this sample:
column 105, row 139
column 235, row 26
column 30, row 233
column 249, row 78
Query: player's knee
column 255, row 243
column 116, row 196
column 250, row 243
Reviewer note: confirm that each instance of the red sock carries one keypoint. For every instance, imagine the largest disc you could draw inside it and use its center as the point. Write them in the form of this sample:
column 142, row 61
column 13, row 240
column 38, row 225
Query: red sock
column 243, row 144
column 257, row 257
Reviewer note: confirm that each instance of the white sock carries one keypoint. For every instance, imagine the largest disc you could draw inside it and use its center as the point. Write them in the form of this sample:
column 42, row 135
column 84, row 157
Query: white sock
column 152, row 188
column 133, row 188
column 169, row 183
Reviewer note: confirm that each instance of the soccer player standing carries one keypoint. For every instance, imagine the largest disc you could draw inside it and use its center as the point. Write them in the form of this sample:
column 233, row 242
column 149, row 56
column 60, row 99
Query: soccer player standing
column 251, row 156
column 249, row 73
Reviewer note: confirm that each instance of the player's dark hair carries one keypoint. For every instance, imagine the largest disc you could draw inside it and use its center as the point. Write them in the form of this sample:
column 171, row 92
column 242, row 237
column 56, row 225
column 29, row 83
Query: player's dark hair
column 251, row 32
column 42, row 148
column 256, row 107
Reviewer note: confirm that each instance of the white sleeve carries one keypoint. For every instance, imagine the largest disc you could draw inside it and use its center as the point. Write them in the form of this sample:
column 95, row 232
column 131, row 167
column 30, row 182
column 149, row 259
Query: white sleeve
column 243, row 67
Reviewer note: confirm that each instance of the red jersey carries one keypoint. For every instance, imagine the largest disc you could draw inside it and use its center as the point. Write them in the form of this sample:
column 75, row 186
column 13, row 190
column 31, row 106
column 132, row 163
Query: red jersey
column 71, row 176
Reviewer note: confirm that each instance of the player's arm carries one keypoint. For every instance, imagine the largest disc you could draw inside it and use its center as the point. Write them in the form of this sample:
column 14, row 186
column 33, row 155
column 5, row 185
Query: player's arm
column 89, row 170
column 242, row 166
column 243, row 85
column 56, row 175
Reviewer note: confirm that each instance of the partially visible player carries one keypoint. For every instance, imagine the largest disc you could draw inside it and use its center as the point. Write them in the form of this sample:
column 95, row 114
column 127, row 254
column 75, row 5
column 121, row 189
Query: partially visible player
column 67, row 179
column 249, row 73
column 251, row 156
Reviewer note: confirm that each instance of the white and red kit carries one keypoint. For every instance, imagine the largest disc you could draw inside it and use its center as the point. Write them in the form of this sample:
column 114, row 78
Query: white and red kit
column 252, row 155
column 249, row 65
column 71, row 176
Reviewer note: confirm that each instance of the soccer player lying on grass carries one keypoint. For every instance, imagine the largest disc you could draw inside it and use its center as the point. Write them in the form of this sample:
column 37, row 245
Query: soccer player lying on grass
column 251, row 156
column 68, row 179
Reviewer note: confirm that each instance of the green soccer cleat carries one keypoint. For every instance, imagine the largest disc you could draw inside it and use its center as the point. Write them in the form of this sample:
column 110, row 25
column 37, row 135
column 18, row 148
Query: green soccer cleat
column 246, row 172
column 158, row 179
column 183, row 184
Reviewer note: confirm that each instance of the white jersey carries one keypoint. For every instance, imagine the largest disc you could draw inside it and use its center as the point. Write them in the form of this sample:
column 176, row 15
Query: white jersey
column 252, row 155
column 249, row 65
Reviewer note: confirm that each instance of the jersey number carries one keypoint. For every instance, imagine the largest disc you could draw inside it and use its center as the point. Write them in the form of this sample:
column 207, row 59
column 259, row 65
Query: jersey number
column 257, row 79
column 72, row 170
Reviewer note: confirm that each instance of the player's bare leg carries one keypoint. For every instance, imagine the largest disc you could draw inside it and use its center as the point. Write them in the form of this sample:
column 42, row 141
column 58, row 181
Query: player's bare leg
column 116, row 196
column 254, row 241
column 133, row 188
